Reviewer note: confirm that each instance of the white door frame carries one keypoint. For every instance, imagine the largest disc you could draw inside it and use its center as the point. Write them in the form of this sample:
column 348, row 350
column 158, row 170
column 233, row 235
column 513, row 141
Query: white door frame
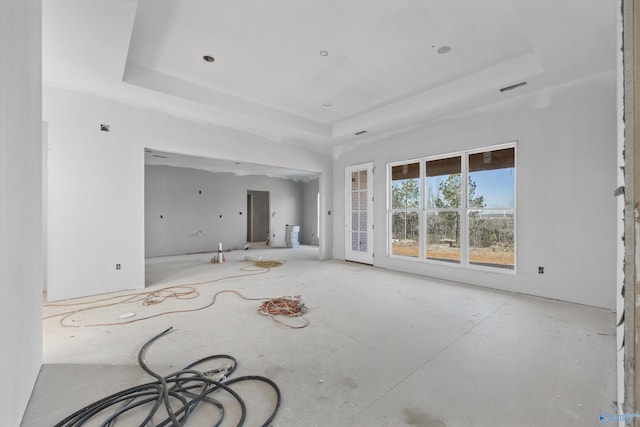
column 364, row 252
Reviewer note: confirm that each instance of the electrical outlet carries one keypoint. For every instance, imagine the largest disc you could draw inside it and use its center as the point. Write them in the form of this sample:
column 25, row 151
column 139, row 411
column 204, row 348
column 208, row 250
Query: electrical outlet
column 118, row 267
column 540, row 270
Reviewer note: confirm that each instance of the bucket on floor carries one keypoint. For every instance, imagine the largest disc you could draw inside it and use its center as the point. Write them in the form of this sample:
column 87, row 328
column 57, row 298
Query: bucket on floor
column 291, row 236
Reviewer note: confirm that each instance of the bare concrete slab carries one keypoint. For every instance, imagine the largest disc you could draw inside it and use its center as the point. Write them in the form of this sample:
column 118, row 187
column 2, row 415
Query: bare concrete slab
column 382, row 348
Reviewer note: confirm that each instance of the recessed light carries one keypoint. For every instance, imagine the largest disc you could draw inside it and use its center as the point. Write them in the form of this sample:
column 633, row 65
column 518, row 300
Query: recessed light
column 208, row 58
column 324, row 53
column 444, row 49
column 327, row 104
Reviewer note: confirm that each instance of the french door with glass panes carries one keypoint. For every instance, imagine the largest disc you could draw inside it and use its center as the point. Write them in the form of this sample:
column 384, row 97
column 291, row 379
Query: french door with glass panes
column 359, row 213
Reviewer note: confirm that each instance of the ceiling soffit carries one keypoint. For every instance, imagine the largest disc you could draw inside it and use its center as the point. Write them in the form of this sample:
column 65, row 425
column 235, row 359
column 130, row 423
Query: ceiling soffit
column 381, row 70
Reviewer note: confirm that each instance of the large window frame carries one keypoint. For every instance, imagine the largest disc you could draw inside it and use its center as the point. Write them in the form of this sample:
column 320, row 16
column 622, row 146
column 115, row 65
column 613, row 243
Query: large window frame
column 463, row 252
column 405, row 216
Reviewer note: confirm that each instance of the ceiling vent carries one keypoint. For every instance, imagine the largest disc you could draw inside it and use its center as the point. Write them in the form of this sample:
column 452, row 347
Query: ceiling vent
column 512, row 87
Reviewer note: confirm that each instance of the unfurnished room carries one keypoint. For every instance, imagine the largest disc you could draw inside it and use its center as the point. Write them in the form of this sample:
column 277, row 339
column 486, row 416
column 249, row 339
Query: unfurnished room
column 319, row 213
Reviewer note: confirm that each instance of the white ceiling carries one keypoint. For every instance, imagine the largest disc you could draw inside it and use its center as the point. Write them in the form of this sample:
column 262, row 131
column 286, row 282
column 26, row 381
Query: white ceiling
column 269, row 53
column 382, row 72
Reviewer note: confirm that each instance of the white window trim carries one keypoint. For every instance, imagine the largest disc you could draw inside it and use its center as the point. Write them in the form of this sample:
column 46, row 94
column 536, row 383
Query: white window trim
column 390, row 211
column 463, row 210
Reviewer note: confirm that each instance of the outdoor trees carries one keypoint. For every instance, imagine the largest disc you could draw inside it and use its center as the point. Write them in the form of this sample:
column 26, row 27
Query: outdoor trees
column 430, row 218
column 406, row 196
column 449, row 193
column 486, row 228
column 445, row 225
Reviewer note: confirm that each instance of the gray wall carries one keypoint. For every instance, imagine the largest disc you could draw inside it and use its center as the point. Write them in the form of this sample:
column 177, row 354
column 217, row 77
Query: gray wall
column 199, row 209
column 100, row 198
column 21, row 179
column 566, row 176
column 309, row 226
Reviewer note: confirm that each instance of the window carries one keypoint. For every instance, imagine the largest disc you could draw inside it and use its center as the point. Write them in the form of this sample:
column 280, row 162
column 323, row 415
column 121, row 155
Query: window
column 359, row 210
column 491, row 208
column 443, row 178
column 434, row 217
column 405, row 209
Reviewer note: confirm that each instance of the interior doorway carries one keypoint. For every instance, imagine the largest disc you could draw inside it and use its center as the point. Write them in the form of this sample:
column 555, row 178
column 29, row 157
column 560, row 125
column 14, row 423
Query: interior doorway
column 258, row 218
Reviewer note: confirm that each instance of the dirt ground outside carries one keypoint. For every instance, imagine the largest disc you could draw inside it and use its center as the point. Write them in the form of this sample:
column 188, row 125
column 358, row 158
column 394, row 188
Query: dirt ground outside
column 495, row 255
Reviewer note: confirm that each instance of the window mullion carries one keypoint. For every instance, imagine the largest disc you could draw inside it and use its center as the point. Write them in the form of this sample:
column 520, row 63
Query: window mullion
column 422, row 221
column 464, row 211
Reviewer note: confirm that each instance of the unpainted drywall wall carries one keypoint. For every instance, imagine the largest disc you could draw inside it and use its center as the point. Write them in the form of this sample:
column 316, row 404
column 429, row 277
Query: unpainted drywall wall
column 566, row 212
column 96, row 184
column 21, row 238
column 188, row 210
column 309, row 226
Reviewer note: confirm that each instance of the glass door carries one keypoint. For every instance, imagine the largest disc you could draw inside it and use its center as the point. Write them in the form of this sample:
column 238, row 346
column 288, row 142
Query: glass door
column 359, row 213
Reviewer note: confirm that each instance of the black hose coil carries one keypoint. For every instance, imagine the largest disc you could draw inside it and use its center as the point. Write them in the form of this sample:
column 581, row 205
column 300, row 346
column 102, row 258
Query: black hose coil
column 187, row 386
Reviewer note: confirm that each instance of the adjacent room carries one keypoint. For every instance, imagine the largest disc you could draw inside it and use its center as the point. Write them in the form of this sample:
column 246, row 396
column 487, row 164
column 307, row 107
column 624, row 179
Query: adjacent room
column 401, row 213
column 194, row 204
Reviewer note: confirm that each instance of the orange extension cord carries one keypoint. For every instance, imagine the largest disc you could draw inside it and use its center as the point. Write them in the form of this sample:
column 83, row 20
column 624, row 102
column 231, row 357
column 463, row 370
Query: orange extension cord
column 271, row 307
column 284, row 306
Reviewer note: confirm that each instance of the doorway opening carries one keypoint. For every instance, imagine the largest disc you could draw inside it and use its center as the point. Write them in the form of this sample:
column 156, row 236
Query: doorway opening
column 258, row 218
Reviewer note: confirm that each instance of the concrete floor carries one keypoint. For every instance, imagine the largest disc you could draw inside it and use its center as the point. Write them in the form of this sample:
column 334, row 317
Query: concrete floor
column 382, row 348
